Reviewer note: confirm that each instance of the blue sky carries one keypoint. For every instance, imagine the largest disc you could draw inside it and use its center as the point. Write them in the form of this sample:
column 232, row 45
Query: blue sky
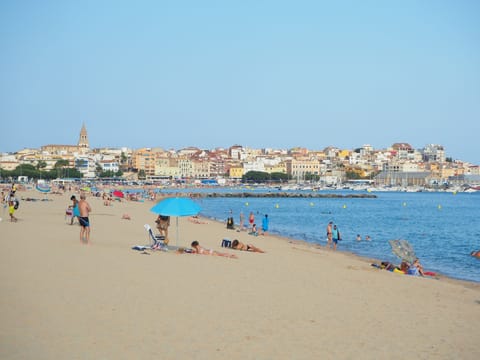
column 257, row 73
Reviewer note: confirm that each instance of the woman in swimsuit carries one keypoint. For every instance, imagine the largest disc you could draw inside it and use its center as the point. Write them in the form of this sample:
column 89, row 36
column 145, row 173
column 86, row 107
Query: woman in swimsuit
column 251, row 218
column 237, row 245
column 197, row 249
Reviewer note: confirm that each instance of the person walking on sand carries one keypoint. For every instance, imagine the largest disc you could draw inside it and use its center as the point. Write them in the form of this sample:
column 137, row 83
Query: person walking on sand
column 84, row 209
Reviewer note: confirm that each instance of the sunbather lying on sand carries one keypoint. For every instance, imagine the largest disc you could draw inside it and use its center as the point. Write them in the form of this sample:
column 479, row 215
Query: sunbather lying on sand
column 196, row 220
column 237, row 245
column 197, row 249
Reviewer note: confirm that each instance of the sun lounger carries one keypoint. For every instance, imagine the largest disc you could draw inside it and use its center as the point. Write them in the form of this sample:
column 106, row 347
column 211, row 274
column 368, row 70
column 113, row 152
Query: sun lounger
column 156, row 240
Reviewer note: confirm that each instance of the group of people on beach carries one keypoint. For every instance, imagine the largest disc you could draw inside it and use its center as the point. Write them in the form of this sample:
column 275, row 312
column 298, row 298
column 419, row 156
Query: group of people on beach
column 414, row 268
column 80, row 210
column 196, row 248
column 252, row 228
column 333, row 235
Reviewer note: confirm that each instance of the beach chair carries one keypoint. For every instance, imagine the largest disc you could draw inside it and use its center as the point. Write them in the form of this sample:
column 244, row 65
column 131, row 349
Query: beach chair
column 156, row 240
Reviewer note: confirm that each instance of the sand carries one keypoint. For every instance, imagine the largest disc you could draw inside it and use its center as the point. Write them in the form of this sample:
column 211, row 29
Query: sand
column 61, row 299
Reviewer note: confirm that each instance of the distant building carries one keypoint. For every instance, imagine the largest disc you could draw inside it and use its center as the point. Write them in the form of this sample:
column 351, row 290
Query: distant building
column 109, row 165
column 394, row 178
column 433, row 153
column 236, row 172
column 82, row 146
column 83, row 141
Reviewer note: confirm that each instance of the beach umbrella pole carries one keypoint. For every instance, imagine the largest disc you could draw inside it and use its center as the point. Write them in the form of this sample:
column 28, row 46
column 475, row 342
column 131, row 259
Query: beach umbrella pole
column 177, row 230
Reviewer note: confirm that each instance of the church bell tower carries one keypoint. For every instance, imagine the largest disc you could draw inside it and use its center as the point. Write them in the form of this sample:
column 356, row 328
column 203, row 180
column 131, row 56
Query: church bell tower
column 83, row 140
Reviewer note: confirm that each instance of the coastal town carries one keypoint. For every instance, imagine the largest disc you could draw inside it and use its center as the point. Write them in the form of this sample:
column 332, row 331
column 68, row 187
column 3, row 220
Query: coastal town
column 399, row 167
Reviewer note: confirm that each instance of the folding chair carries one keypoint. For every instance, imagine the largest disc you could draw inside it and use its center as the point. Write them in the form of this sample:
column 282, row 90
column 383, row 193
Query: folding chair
column 157, row 240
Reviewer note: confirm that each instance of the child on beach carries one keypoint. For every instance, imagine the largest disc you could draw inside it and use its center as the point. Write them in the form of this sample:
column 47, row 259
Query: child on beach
column 254, row 231
column 11, row 210
column 74, row 207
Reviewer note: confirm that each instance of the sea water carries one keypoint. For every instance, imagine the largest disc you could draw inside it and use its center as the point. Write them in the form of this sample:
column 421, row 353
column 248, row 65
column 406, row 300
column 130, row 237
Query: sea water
column 443, row 228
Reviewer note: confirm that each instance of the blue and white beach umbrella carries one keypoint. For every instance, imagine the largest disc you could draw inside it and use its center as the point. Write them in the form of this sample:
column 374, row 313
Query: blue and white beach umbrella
column 44, row 188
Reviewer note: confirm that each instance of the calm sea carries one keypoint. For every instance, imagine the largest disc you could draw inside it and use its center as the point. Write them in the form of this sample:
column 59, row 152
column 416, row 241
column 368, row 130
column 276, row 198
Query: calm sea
column 443, row 228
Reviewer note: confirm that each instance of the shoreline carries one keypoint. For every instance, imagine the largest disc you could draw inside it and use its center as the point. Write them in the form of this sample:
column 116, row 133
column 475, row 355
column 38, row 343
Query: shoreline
column 366, row 259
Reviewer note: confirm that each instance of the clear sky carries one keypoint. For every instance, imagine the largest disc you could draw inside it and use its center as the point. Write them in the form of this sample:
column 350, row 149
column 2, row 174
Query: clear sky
column 270, row 73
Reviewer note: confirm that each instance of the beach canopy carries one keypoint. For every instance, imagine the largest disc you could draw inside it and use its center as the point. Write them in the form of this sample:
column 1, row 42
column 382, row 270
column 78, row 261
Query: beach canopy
column 176, row 206
column 44, row 188
column 403, row 250
column 118, row 193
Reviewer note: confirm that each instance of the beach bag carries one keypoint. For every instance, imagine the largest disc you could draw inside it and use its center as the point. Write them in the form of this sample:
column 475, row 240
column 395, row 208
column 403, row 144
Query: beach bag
column 16, row 204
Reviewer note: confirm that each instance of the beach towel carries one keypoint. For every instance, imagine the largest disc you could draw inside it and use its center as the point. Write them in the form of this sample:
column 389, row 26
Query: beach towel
column 140, row 247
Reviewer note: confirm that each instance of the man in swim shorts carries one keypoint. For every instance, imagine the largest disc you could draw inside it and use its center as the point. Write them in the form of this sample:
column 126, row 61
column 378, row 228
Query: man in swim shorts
column 329, row 234
column 84, row 209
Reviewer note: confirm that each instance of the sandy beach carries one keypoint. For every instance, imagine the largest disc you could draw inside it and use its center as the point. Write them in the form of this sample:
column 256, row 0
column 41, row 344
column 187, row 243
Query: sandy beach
column 62, row 299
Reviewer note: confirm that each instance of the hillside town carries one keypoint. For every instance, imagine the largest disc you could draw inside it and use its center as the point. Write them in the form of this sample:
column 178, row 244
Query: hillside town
column 399, row 166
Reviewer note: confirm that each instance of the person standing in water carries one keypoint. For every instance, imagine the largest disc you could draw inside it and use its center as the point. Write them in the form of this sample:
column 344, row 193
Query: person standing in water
column 335, row 236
